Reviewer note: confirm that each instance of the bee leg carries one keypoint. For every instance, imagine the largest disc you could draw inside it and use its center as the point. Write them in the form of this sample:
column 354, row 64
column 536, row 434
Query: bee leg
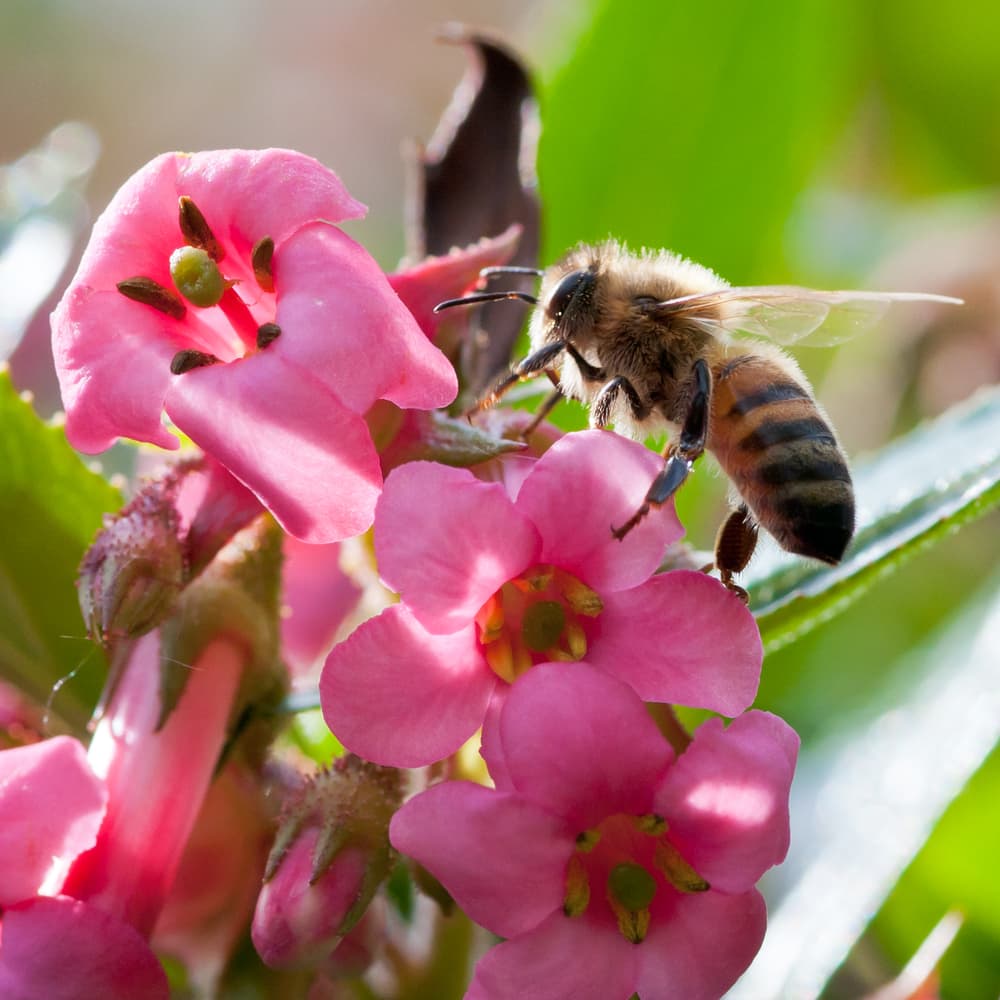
column 734, row 545
column 600, row 410
column 548, row 405
column 682, row 455
column 534, row 364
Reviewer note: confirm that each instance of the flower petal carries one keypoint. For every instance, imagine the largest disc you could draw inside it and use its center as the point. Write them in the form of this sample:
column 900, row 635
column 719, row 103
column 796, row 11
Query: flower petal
column 565, row 958
column 112, row 357
column 503, row 859
column 63, row 949
column 726, row 799
column 285, row 436
column 683, row 638
column 435, row 279
column 341, row 320
column 51, row 807
column 318, row 595
column 246, row 194
column 580, row 743
column 583, row 486
column 470, row 542
column 397, row 695
column 706, row 945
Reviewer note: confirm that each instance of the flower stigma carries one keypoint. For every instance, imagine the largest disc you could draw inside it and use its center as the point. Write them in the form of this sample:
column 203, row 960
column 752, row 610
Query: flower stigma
column 534, row 618
column 634, row 860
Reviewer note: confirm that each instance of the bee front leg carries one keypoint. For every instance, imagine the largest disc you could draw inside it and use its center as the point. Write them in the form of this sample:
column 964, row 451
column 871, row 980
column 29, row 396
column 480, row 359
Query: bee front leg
column 600, row 409
column 535, row 363
column 682, row 455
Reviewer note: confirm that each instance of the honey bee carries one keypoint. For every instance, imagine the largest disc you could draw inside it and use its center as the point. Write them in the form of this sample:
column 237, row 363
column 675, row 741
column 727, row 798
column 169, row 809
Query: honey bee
column 650, row 342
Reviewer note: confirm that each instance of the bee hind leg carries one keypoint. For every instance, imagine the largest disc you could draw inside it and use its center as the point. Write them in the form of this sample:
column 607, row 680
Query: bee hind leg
column 682, row 455
column 734, row 545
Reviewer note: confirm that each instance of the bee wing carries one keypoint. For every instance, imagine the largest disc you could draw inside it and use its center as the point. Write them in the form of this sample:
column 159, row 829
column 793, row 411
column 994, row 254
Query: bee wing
column 787, row 314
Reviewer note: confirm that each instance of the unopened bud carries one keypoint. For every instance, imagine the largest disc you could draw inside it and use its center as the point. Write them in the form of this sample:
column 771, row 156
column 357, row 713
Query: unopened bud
column 331, row 854
column 131, row 576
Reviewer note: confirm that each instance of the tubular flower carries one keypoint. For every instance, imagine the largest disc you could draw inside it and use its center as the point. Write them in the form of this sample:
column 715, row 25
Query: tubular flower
column 611, row 866
column 216, row 288
column 493, row 583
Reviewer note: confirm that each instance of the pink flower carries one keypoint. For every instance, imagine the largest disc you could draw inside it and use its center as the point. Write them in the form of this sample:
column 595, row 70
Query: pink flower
column 611, row 866
column 52, row 807
column 317, row 596
column 261, row 329
column 491, row 584
column 96, row 841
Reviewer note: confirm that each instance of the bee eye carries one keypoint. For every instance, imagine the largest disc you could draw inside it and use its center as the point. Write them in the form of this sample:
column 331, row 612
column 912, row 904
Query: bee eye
column 574, row 284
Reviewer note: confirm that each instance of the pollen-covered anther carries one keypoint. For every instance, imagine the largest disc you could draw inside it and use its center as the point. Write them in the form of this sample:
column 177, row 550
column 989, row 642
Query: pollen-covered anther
column 260, row 260
column 267, row 333
column 669, row 861
column 195, row 230
column 185, row 361
column 587, row 841
column 152, row 293
column 577, row 896
column 197, row 277
column 652, row 824
column 581, row 598
column 630, row 891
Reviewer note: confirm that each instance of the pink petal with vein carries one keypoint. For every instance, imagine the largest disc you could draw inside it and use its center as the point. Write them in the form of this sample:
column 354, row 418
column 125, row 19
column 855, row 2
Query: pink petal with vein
column 51, row 807
column 706, row 945
column 563, row 959
column 287, row 438
column 580, row 744
column 584, row 485
column 503, row 859
column 683, row 638
column 341, row 320
column 727, row 798
column 470, row 542
column 64, row 949
column 397, row 695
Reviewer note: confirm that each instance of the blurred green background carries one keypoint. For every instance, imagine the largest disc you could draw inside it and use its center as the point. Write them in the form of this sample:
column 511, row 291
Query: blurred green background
column 830, row 144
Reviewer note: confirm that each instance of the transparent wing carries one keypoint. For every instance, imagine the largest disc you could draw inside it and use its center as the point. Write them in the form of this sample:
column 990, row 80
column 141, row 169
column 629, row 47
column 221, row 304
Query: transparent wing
column 786, row 314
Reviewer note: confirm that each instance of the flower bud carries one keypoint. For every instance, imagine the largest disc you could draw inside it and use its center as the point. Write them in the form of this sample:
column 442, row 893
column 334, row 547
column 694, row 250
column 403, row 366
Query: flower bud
column 132, row 574
column 330, row 856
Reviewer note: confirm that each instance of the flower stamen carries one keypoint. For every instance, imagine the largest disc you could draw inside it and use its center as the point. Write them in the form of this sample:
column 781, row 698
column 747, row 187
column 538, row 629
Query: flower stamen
column 152, row 293
column 260, row 259
column 669, row 861
column 185, row 361
column 195, row 230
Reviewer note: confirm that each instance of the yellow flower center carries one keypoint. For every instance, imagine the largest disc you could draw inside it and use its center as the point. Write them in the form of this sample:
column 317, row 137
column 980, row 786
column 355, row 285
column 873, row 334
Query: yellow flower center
column 537, row 617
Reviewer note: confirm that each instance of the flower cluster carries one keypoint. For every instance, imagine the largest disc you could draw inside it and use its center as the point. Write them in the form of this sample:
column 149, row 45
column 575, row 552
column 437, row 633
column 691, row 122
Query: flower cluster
column 219, row 300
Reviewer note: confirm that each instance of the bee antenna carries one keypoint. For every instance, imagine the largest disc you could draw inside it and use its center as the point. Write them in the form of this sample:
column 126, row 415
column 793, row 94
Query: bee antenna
column 471, row 300
column 487, row 272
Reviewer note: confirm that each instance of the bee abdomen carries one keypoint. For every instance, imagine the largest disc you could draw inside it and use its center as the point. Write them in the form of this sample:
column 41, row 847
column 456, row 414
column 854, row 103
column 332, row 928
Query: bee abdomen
column 783, row 458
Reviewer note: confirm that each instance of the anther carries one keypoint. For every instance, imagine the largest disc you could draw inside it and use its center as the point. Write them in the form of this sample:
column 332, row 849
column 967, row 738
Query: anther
column 577, row 895
column 185, row 361
column 151, row 293
column 195, row 230
column 651, row 824
column 260, row 259
column 677, row 871
column 267, row 333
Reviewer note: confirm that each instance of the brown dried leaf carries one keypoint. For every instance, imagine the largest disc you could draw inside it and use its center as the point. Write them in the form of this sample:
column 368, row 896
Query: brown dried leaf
column 477, row 178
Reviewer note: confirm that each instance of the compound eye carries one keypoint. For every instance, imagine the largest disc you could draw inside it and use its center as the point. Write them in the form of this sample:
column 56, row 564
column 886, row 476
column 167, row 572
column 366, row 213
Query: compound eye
column 574, row 284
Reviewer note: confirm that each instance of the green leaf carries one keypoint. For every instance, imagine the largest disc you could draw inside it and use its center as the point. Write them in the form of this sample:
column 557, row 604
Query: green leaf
column 915, row 491
column 695, row 126
column 866, row 799
column 50, row 507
